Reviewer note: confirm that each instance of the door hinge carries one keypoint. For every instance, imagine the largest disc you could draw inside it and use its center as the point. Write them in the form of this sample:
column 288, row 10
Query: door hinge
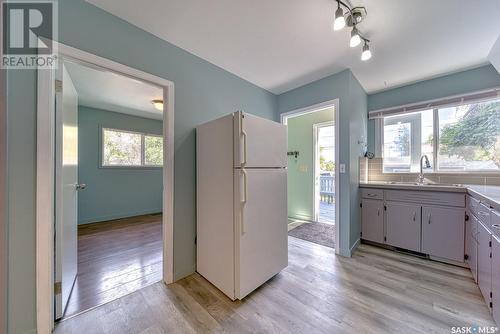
column 491, row 294
column 58, row 86
column 385, row 238
column 195, row 240
column 491, row 304
column 385, row 208
column 490, row 255
column 490, row 244
column 466, row 217
column 360, row 234
column 466, row 257
column 57, row 288
column 360, row 205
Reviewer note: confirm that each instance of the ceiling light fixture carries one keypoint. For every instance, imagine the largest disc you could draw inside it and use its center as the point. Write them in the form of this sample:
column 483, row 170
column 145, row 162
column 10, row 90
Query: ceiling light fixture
column 352, row 18
column 367, row 54
column 158, row 104
column 339, row 22
column 355, row 38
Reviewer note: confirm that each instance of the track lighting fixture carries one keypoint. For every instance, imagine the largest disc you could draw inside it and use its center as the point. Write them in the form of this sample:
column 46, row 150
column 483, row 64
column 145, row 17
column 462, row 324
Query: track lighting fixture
column 355, row 38
column 339, row 22
column 367, row 54
column 352, row 17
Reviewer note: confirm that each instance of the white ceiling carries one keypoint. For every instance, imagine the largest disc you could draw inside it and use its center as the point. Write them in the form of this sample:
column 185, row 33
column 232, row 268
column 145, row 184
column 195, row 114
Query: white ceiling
column 98, row 88
column 282, row 44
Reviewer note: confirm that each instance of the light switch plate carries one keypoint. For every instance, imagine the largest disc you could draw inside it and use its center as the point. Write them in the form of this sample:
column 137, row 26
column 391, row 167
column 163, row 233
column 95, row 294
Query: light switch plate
column 303, row 168
column 342, row 168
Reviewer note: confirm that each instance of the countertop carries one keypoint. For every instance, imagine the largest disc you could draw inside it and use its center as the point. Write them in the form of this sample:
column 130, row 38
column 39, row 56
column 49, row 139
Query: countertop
column 487, row 194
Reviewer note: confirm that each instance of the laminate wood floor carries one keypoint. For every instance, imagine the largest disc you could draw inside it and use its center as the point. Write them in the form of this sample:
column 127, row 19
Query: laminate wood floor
column 375, row 291
column 116, row 258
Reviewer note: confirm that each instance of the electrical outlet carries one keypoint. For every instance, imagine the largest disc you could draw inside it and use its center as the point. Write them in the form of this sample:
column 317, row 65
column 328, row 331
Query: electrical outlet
column 342, row 168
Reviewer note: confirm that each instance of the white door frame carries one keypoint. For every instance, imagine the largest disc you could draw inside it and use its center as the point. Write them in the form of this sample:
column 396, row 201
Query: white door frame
column 316, row 128
column 336, row 116
column 45, row 166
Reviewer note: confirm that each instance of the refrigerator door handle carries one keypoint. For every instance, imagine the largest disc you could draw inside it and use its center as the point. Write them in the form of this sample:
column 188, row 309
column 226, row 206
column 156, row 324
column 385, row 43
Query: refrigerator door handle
column 243, row 134
column 243, row 202
column 244, row 147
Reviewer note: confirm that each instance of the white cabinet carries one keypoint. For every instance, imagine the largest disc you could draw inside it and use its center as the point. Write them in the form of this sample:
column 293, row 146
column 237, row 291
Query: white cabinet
column 403, row 225
column 443, row 232
column 484, row 261
column 471, row 243
column 372, row 220
column 495, row 278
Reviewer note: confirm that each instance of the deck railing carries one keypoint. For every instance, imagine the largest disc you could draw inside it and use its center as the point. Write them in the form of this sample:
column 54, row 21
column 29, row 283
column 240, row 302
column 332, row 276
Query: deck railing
column 327, row 188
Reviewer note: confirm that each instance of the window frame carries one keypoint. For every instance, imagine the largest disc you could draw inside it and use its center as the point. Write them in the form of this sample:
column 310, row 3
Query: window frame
column 143, row 134
column 379, row 142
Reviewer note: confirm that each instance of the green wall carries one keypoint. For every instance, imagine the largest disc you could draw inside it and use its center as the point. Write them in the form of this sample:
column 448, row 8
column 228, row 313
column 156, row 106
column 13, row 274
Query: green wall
column 203, row 92
column 301, row 169
column 113, row 193
column 351, row 130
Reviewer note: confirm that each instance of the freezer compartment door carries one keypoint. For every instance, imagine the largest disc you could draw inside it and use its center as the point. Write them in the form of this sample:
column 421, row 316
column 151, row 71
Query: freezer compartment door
column 259, row 142
column 261, row 227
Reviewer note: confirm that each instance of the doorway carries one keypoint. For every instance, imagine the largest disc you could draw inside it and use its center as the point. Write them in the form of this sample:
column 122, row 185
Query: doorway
column 108, row 186
column 56, row 253
column 312, row 189
column 324, row 172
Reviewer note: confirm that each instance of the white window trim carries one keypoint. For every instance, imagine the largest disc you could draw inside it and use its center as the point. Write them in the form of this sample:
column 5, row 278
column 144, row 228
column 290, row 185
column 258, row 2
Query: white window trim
column 143, row 135
column 379, row 144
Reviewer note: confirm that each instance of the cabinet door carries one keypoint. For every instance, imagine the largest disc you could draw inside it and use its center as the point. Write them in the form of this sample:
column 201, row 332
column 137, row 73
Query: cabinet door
column 484, row 261
column 473, row 258
column 471, row 244
column 443, row 232
column 495, row 277
column 403, row 222
column 372, row 220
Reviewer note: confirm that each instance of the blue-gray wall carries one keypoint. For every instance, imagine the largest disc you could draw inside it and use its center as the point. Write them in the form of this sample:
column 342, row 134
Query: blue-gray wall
column 453, row 84
column 113, row 193
column 352, row 128
column 202, row 92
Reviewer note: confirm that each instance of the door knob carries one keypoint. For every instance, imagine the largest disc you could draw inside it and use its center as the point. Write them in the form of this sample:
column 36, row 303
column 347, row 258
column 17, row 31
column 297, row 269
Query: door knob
column 81, row 186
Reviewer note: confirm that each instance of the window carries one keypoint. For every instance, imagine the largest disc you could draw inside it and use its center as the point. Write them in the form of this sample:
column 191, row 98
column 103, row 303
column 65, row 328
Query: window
column 461, row 138
column 122, row 148
column 405, row 139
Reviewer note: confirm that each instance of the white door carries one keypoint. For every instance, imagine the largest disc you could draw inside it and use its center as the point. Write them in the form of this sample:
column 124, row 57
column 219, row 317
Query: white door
column 259, row 142
column 261, row 227
column 66, row 183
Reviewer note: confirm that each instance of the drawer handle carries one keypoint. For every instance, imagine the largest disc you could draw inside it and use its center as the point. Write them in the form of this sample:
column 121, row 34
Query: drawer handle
column 414, row 216
column 371, row 195
column 429, row 218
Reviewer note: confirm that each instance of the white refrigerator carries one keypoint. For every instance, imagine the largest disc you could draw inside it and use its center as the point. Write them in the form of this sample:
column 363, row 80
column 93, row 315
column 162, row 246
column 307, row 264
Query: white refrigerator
column 241, row 202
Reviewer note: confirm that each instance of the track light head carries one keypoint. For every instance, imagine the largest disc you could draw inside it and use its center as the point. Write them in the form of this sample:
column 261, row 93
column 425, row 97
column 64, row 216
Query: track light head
column 367, row 54
column 355, row 38
column 339, row 22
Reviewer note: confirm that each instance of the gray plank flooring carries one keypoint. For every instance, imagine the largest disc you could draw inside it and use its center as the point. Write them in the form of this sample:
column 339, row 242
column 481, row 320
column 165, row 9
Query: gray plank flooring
column 375, row 291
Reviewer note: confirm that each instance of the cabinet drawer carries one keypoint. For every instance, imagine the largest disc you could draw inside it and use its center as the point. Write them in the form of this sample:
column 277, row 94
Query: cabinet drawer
column 372, row 193
column 495, row 223
column 483, row 214
column 472, row 204
column 426, row 197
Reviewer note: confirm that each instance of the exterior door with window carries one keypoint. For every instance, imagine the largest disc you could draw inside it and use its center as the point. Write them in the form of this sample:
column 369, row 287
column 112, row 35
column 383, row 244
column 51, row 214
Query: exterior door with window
column 324, row 172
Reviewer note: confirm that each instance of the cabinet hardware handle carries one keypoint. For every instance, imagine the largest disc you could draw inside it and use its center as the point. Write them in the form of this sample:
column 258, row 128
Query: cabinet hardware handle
column 429, row 218
column 414, row 216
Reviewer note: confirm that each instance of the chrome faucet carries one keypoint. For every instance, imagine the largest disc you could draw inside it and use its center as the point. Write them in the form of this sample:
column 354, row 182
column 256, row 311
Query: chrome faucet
column 421, row 178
